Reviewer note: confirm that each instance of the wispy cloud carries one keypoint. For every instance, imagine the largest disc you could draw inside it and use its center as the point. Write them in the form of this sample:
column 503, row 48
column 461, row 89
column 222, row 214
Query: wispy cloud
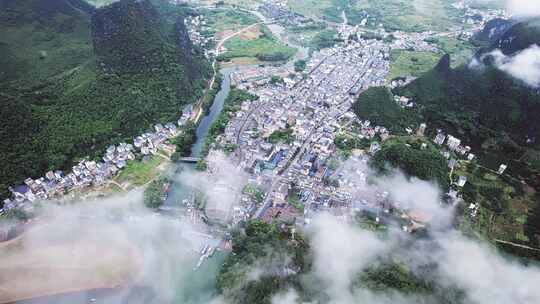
column 524, row 65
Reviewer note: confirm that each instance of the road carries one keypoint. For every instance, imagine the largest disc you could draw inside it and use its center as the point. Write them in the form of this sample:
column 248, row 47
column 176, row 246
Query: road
column 199, row 106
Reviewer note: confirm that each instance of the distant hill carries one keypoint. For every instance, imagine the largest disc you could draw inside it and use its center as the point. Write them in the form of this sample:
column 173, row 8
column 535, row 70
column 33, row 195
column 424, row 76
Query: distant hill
column 41, row 38
column 493, row 30
column 492, row 112
column 495, row 114
column 79, row 78
column 518, row 37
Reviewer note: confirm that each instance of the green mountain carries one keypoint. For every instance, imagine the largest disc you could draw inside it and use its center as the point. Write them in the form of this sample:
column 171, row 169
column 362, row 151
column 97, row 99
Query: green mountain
column 496, row 115
column 493, row 30
column 518, row 37
column 41, row 38
column 79, row 78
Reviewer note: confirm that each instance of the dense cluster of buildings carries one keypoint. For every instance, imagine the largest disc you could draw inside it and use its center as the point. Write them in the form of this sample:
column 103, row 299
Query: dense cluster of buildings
column 200, row 34
column 475, row 19
column 414, row 41
column 89, row 173
column 297, row 175
column 279, row 11
column 312, row 109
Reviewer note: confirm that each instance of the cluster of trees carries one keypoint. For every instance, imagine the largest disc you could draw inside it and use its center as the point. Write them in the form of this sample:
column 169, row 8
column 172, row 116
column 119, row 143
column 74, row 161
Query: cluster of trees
column 264, row 246
column 299, row 65
column 276, row 80
column 185, row 141
column 251, row 245
column 154, row 194
column 281, row 136
column 408, row 155
column 274, row 56
column 348, row 143
column 492, row 112
column 378, row 106
column 255, row 192
column 324, row 39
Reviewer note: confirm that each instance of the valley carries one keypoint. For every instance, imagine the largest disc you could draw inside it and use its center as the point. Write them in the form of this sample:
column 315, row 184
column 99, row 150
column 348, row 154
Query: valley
column 277, row 152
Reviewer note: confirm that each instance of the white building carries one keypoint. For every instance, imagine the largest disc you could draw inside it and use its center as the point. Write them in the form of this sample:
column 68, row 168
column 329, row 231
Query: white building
column 452, row 142
column 502, row 168
column 462, row 180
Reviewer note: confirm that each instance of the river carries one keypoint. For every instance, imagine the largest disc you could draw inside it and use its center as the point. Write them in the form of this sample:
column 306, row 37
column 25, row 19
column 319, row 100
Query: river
column 192, row 287
column 215, row 110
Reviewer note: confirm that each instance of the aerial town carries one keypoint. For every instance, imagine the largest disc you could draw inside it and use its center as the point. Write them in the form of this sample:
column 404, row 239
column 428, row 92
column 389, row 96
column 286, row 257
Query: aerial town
column 298, row 175
column 285, row 140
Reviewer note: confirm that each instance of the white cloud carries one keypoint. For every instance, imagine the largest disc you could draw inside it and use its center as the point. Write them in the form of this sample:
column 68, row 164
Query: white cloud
column 524, row 65
column 525, row 8
column 289, row 297
column 487, row 277
column 221, row 184
column 107, row 241
column 340, row 253
column 415, row 194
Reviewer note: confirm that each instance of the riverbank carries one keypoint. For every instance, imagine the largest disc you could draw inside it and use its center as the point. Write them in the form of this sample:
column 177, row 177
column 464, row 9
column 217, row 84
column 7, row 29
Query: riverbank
column 79, row 265
column 49, row 259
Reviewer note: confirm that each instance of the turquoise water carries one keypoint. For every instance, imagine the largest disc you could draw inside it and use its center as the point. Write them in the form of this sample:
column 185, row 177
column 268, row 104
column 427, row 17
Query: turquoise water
column 190, row 287
column 199, row 287
column 215, row 110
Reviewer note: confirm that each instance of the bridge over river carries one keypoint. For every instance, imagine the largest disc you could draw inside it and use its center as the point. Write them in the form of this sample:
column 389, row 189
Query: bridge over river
column 189, row 159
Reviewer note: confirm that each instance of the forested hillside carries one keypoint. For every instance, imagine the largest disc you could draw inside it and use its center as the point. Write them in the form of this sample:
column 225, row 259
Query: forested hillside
column 268, row 259
column 80, row 78
column 490, row 111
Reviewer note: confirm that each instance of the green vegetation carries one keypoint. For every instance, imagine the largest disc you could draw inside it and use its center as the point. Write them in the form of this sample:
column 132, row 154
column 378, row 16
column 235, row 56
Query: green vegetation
column 493, row 30
column 276, row 80
column 410, row 16
column 504, row 205
column 251, row 251
column 392, row 276
column 461, row 51
column 81, row 84
column 293, row 198
column 231, row 105
column 257, row 194
column 489, row 110
column 324, row 39
column 154, row 194
column 201, row 165
column 495, row 114
column 378, row 106
column 518, row 37
column 407, row 154
column 139, row 172
column 310, row 8
column 281, row 136
column 265, row 48
column 185, row 141
column 410, row 63
column 208, row 100
column 250, row 245
column 42, row 39
column 227, row 19
column 348, row 142
column 299, row 65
